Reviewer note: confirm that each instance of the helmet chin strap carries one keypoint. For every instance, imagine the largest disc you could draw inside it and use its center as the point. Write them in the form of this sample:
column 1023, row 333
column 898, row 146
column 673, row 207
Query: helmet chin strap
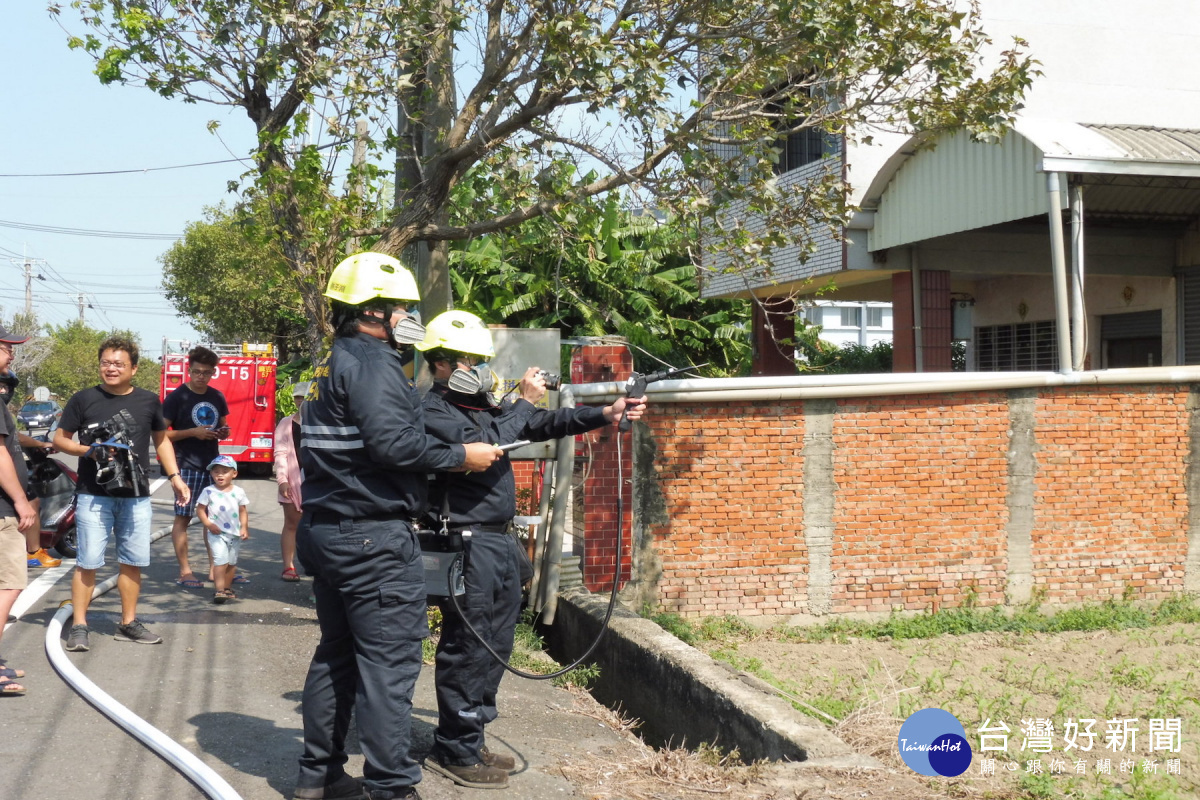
column 409, row 331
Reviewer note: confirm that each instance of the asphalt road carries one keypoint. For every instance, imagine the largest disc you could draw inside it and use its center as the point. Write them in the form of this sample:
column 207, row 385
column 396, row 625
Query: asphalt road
column 226, row 685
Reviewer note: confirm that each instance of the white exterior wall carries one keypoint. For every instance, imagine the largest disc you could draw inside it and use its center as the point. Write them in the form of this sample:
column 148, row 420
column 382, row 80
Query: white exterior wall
column 828, row 314
column 1107, row 61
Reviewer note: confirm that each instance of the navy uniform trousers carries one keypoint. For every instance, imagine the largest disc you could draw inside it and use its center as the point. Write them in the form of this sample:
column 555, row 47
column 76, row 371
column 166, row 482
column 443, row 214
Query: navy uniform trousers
column 468, row 677
column 369, row 586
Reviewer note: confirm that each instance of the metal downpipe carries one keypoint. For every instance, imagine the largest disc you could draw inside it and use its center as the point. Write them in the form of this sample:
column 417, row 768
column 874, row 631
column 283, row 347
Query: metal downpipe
column 1078, row 311
column 918, row 336
column 539, row 539
column 564, row 466
column 1062, row 314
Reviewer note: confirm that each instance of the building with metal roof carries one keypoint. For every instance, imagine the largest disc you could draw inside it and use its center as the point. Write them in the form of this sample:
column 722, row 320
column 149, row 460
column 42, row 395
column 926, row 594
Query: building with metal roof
column 1073, row 243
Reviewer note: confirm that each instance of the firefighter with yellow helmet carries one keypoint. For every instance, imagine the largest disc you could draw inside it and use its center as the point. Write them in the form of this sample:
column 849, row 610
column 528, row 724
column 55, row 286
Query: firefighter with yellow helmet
column 481, row 504
column 365, row 456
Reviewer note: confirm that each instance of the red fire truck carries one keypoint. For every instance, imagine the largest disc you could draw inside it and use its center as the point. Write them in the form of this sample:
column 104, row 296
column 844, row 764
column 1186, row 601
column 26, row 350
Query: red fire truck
column 246, row 376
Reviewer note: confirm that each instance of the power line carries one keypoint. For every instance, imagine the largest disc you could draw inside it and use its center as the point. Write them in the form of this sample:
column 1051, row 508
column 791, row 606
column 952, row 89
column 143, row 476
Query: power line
column 29, row 226
column 121, row 171
column 246, row 161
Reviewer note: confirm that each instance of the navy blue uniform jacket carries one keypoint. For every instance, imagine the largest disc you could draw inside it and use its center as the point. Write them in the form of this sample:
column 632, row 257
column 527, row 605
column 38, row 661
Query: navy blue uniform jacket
column 490, row 497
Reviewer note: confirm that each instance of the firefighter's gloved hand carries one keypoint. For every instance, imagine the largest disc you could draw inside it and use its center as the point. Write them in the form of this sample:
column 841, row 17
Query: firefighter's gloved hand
column 480, row 456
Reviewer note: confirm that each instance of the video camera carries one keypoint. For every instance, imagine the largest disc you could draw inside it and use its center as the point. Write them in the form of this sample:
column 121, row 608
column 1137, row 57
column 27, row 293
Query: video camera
column 117, row 467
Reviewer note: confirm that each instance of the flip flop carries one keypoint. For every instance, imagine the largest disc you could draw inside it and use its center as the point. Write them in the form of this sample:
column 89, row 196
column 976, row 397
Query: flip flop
column 12, row 688
column 5, row 672
column 240, row 578
column 290, row 575
column 20, row 673
column 190, row 583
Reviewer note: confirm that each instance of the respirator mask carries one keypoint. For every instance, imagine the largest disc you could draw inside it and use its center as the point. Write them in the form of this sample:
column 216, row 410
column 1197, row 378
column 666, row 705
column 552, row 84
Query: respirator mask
column 472, row 380
column 409, row 330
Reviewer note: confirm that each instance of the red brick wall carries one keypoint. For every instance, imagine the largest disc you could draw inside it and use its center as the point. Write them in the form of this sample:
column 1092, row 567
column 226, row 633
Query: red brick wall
column 732, row 481
column 1112, row 510
column 920, row 516
column 920, row 511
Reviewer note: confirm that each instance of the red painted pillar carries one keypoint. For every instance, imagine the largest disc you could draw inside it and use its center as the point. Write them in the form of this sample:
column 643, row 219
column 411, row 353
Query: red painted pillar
column 773, row 319
column 596, row 364
column 935, row 322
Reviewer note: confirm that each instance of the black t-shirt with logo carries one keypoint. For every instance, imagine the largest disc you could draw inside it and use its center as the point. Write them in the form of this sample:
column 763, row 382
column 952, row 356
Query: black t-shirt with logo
column 97, row 405
column 187, row 409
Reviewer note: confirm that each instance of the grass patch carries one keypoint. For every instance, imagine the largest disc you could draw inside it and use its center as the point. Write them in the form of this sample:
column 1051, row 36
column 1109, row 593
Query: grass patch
column 1109, row 615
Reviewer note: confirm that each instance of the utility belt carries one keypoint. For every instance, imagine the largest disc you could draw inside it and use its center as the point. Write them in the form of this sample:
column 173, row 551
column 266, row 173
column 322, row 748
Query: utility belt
column 333, row 517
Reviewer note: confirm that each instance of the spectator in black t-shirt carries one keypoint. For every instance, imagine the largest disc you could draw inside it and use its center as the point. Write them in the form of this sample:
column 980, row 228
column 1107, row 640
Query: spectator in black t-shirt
column 196, row 415
column 16, row 515
column 117, row 421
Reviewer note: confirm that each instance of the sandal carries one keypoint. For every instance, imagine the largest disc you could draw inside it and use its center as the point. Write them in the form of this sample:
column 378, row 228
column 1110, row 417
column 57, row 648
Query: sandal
column 290, row 575
column 8, row 687
column 219, row 598
column 5, row 672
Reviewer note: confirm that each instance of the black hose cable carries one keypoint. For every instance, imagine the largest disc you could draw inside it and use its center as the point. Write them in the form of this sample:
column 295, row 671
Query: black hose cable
column 612, row 600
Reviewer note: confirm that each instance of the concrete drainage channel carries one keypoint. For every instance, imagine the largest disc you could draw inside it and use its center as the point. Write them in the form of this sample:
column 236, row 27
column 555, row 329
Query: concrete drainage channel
column 683, row 696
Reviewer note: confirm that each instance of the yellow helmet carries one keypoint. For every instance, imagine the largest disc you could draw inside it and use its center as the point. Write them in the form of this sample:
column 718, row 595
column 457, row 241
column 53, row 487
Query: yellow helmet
column 366, row 276
column 460, row 331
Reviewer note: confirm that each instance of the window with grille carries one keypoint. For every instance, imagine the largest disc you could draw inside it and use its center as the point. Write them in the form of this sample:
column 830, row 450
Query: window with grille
column 1018, row 347
column 800, row 148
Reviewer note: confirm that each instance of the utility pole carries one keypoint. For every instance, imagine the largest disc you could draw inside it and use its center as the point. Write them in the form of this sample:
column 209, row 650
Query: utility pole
column 29, row 262
column 79, row 298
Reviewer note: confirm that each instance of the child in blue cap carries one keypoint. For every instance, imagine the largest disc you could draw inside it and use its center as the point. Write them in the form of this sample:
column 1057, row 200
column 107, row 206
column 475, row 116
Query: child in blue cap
column 222, row 510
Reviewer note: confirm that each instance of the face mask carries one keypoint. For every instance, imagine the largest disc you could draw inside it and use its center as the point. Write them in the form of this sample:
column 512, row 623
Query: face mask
column 408, row 331
column 478, row 378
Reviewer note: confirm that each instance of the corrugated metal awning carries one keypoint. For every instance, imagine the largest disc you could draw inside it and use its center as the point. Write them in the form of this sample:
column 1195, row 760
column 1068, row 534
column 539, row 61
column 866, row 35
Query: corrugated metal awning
column 959, row 185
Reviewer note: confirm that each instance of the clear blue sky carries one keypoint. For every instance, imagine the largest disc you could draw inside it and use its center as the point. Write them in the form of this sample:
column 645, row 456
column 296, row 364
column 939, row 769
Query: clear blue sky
column 62, row 120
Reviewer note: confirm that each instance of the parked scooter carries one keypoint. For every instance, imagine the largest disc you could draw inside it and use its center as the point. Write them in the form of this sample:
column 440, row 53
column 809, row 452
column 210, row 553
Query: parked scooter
column 54, row 482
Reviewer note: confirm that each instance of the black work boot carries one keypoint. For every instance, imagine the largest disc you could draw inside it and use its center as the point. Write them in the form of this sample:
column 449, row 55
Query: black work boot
column 344, row 788
column 498, row 760
column 475, row 776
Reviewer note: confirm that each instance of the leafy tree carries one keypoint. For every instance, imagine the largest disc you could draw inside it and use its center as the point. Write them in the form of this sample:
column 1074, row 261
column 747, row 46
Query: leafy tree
column 683, row 102
column 851, row 359
column 594, row 270
column 233, row 284
column 72, row 363
column 27, row 357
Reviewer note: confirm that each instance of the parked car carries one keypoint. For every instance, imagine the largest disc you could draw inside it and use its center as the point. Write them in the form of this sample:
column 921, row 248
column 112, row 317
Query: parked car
column 39, row 413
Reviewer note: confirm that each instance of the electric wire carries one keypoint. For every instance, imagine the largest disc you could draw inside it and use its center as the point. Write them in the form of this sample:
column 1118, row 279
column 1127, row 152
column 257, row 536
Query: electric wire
column 119, row 171
column 105, row 234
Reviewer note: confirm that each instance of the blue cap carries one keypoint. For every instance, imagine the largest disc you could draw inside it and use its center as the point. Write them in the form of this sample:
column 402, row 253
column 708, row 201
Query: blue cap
column 223, row 461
